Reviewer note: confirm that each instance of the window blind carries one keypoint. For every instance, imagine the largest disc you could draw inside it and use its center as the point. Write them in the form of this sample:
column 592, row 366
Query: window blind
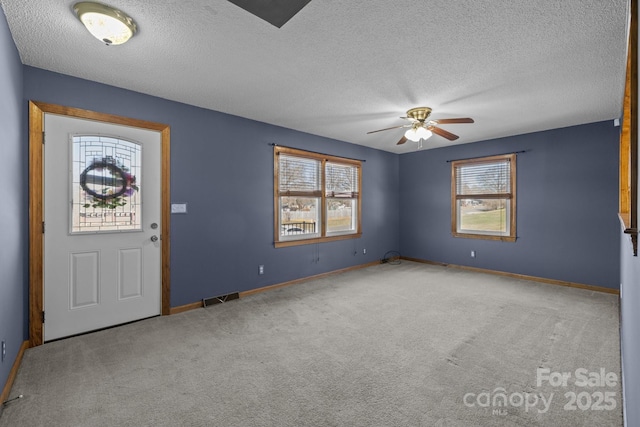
column 341, row 180
column 299, row 174
column 483, row 178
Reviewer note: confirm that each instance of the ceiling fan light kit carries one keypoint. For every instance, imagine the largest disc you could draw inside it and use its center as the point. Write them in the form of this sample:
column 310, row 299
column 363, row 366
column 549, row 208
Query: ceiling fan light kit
column 109, row 25
column 422, row 129
column 416, row 133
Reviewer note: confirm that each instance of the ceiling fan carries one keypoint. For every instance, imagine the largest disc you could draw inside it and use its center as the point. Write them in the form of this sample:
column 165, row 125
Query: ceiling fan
column 421, row 128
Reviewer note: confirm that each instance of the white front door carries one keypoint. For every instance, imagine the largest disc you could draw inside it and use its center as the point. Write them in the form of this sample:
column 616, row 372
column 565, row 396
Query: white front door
column 102, row 252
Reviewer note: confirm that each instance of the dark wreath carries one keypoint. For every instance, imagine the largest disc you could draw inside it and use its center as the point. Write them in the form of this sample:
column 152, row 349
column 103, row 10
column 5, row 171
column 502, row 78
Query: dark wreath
column 115, row 171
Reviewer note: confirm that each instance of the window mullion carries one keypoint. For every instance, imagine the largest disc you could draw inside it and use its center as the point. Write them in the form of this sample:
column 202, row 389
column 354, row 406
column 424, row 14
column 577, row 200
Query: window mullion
column 323, row 198
column 309, row 194
column 485, row 196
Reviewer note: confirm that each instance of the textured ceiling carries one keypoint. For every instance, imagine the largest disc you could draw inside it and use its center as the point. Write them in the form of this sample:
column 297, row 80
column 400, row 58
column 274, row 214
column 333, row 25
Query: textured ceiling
column 341, row 68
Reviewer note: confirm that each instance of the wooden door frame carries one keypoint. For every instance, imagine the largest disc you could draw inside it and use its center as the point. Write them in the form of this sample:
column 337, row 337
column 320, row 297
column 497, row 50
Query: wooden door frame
column 37, row 110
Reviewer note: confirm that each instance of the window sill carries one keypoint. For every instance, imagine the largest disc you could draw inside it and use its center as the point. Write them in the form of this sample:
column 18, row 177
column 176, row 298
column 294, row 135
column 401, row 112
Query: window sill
column 288, row 243
column 485, row 237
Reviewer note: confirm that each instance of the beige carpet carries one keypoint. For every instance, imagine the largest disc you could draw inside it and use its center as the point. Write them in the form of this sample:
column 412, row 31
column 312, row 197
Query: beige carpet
column 389, row 345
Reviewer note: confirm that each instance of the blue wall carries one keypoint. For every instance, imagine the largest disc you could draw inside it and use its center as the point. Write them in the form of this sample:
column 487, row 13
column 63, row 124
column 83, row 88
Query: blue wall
column 222, row 166
column 567, row 204
column 13, row 208
column 630, row 330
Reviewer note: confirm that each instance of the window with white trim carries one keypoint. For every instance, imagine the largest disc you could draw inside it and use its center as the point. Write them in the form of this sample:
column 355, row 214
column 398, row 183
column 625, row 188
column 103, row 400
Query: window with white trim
column 316, row 197
column 483, row 198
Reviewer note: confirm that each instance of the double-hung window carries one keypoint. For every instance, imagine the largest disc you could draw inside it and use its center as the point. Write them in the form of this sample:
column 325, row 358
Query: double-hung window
column 316, row 197
column 483, row 198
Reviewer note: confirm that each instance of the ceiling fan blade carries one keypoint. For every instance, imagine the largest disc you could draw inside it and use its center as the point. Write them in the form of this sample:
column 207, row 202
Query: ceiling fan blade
column 395, row 127
column 402, row 140
column 451, row 121
column 443, row 133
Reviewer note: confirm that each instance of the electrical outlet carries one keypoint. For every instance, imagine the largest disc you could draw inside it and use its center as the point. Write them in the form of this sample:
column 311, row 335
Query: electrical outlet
column 473, row 254
column 4, row 349
column 261, row 269
column 364, row 251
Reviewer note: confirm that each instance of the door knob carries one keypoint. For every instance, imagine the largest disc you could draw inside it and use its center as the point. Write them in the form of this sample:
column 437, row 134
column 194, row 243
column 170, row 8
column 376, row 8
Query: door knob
column 154, row 238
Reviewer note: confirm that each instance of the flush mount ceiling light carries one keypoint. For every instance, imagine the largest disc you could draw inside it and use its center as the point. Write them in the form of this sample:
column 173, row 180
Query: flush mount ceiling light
column 109, row 25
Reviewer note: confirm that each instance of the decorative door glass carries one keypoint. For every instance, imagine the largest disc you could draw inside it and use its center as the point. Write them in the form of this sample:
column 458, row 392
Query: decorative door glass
column 105, row 184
